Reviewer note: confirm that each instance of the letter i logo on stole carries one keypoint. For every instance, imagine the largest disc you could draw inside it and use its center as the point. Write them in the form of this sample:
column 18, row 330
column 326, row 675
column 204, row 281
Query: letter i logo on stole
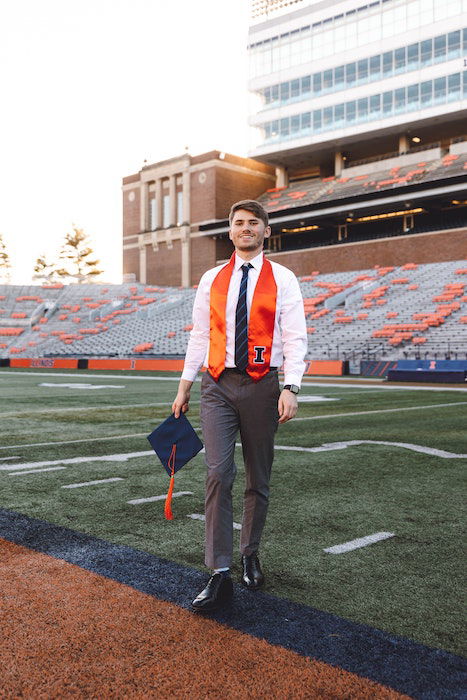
column 258, row 358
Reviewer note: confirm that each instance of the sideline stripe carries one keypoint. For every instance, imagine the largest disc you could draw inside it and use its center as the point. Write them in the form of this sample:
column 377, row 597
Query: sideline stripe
column 83, row 375
column 358, row 543
column 200, row 516
column 402, row 664
column 342, row 381
column 92, row 483
column 152, row 499
column 5, row 459
column 93, row 635
column 35, row 471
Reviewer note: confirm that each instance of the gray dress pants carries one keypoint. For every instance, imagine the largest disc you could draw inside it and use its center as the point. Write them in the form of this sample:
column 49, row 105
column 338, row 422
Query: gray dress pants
column 237, row 404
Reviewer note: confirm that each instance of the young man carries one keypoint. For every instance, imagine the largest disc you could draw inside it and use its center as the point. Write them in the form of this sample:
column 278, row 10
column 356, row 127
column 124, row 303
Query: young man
column 248, row 320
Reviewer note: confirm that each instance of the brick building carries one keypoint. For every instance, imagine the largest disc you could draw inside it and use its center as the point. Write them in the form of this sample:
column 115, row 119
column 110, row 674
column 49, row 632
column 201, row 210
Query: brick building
column 165, row 203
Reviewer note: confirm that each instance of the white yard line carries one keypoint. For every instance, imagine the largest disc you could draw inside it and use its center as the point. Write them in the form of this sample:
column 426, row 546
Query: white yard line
column 152, row 499
column 35, row 471
column 381, row 410
column 5, row 459
column 358, row 543
column 326, row 447
column 325, row 417
column 92, row 483
column 106, row 407
column 69, row 442
column 199, row 516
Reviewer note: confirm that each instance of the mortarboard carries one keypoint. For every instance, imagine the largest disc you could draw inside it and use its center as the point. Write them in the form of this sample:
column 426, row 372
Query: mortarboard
column 175, row 443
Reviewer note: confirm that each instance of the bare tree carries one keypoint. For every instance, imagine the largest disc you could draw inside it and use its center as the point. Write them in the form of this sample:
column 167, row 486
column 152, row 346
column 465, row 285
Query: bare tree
column 46, row 270
column 5, row 265
column 77, row 256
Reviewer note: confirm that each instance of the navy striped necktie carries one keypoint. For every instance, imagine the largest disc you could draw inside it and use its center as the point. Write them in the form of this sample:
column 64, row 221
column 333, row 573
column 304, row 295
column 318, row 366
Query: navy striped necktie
column 241, row 322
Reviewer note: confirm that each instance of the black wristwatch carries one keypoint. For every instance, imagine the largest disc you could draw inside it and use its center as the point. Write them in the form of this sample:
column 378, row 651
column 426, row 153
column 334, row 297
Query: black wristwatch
column 292, row 387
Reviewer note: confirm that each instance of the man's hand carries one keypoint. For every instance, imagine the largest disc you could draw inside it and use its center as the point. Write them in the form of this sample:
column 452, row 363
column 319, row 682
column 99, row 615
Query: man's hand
column 287, row 406
column 182, row 400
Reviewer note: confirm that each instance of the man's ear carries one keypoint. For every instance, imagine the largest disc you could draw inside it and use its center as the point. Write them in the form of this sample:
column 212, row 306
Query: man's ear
column 267, row 231
column 230, row 233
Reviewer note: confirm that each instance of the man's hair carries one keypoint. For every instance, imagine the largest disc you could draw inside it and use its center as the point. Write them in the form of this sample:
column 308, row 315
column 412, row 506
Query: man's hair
column 253, row 207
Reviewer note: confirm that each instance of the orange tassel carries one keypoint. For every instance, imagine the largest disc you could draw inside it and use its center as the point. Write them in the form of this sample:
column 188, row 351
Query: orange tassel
column 168, row 501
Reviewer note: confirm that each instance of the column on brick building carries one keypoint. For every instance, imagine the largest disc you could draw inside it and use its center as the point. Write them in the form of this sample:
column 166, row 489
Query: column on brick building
column 144, row 204
column 185, row 230
column 142, row 262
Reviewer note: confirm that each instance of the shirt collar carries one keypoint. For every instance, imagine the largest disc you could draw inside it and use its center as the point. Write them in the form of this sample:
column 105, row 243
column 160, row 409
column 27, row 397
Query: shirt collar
column 256, row 262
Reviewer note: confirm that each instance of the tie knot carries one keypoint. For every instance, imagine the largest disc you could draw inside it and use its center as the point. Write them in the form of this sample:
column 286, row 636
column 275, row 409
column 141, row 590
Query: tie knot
column 246, row 267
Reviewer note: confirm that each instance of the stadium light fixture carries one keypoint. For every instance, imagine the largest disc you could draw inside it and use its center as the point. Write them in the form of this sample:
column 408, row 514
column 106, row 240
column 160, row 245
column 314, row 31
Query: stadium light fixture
column 299, row 229
column 416, row 139
column 390, row 215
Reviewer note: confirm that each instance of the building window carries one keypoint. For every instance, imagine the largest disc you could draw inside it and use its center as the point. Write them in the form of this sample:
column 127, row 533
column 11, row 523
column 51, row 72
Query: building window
column 402, row 60
column 399, row 101
column 179, row 208
column 166, row 211
column 152, row 214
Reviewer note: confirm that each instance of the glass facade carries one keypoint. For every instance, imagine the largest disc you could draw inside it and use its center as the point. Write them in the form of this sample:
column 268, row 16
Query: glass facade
column 418, row 55
column 442, row 90
column 370, row 22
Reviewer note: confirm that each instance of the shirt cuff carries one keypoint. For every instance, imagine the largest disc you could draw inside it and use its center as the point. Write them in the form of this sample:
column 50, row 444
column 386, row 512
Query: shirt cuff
column 292, row 379
column 189, row 374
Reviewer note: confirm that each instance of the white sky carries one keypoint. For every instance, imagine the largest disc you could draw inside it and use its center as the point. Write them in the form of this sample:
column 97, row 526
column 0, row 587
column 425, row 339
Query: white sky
column 91, row 88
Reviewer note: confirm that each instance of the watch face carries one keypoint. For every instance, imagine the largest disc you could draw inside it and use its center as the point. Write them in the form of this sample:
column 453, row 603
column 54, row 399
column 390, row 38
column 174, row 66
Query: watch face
column 293, row 388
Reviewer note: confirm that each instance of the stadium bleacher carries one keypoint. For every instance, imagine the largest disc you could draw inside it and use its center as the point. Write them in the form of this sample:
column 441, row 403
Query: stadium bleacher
column 392, row 312
column 314, row 191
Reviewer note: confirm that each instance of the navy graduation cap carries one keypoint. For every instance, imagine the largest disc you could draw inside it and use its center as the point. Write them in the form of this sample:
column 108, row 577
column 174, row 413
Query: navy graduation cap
column 175, row 443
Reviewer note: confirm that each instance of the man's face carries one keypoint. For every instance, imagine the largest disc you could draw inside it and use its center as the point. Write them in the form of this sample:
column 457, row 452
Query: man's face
column 247, row 231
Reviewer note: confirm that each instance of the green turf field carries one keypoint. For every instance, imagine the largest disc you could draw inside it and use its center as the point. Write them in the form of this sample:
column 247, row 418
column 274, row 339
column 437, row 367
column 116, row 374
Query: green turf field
column 408, row 584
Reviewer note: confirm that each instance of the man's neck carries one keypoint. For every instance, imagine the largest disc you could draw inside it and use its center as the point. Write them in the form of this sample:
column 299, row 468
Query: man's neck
column 248, row 254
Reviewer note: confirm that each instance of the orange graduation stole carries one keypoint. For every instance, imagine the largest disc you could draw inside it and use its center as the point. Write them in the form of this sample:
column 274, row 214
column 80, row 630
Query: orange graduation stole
column 260, row 325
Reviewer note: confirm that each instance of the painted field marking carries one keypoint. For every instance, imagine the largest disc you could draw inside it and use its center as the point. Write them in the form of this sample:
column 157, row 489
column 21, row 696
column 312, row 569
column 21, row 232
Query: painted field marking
column 78, row 460
column 358, row 543
column 82, row 409
column 36, row 471
column 382, row 410
column 92, row 483
column 98, row 376
column 199, row 516
column 152, row 499
column 310, row 398
column 69, row 442
column 80, row 385
column 331, row 446
column 326, row 447
column 326, row 417
column 4, row 459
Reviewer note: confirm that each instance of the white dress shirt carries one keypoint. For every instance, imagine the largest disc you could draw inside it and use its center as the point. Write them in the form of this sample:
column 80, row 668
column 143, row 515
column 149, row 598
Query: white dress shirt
column 289, row 343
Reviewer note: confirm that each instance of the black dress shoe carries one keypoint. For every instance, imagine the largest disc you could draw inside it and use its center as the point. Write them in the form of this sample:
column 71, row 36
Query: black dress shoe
column 252, row 576
column 218, row 591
